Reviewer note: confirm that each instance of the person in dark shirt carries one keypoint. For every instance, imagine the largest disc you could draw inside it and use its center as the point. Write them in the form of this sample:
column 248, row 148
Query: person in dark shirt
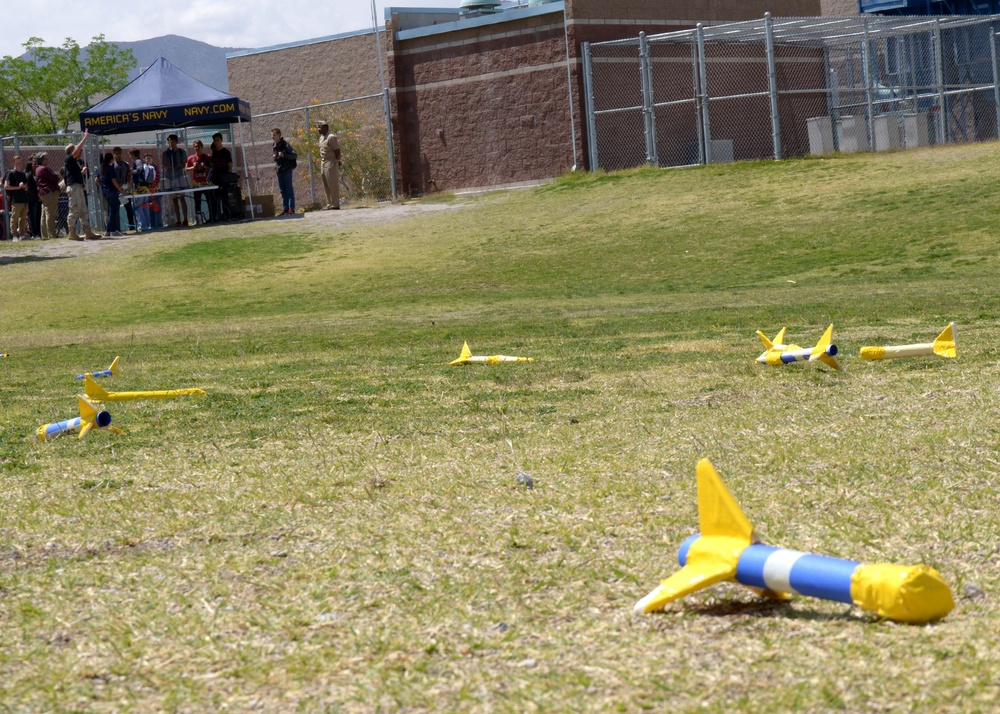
column 16, row 186
column 221, row 174
column 34, row 205
column 111, row 187
column 75, row 187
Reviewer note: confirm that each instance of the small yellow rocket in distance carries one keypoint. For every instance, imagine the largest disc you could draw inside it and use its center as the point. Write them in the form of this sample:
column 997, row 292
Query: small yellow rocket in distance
column 468, row 358
column 942, row 346
column 90, row 417
column 777, row 353
column 728, row 549
column 98, row 393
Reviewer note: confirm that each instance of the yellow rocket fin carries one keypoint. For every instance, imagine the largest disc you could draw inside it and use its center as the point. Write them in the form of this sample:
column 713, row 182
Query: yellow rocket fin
column 466, row 353
column 944, row 345
column 691, row 578
column 88, row 416
column 718, row 512
column 114, row 366
column 819, row 351
column 94, row 390
column 779, row 339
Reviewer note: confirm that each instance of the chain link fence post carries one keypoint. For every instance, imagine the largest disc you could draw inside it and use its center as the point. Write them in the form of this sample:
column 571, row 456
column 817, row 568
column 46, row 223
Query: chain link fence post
column 706, row 135
column 649, row 119
column 772, row 85
column 588, row 96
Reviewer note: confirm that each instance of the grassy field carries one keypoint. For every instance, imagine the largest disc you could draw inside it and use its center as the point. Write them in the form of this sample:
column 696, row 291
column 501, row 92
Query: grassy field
column 339, row 527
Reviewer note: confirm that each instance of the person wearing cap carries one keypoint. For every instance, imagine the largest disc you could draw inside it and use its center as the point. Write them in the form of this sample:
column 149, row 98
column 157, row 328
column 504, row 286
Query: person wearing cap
column 47, row 181
column 75, row 185
column 329, row 156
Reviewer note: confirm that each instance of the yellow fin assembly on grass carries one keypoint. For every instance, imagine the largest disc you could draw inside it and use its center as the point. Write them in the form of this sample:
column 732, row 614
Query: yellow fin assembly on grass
column 944, row 344
column 712, row 558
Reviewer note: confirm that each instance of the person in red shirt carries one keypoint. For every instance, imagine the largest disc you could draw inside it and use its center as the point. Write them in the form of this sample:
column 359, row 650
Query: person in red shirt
column 198, row 165
column 47, row 181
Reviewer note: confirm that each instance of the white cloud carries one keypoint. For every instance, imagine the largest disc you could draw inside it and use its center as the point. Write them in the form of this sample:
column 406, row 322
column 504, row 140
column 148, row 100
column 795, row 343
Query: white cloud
column 224, row 23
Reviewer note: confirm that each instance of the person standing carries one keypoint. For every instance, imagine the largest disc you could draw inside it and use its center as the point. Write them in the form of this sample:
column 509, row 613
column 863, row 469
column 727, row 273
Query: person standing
column 124, row 172
column 329, row 156
column 16, row 186
column 173, row 177
column 222, row 170
column 152, row 178
column 140, row 189
column 34, row 205
column 75, row 187
column 284, row 164
column 47, row 182
column 111, row 187
column 198, row 165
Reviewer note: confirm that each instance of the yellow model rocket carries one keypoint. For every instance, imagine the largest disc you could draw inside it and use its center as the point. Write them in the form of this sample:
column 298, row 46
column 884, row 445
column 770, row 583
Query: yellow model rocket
column 727, row 549
column 98, row 393
column 468, row 358
column 90, row 417
column 942, row 346
column 776, row 352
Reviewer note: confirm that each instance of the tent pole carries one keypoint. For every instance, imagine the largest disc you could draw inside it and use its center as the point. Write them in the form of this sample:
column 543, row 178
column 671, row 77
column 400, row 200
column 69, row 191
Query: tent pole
column 246, row 168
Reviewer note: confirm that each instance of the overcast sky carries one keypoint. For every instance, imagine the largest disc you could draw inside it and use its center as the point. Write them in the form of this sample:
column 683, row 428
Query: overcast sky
column 223, row 23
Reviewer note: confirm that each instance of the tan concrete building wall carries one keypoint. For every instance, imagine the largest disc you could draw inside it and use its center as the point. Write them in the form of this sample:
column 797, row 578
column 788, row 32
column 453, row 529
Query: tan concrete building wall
column 839, row 8
column 321, row 71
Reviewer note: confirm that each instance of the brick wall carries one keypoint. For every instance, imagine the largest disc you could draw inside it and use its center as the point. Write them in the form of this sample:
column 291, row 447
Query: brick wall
column 296, row 76
column 486, row 105
column 482, row 106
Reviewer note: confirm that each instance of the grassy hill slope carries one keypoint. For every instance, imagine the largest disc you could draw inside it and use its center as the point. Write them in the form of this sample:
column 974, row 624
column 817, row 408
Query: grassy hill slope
column 339, row 526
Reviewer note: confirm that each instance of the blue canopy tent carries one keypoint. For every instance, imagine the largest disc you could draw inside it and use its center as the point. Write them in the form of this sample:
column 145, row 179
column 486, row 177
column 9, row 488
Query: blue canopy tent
column 164, row 97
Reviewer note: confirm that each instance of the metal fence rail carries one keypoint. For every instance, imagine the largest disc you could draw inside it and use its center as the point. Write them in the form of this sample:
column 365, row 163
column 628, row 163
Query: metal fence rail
column 774, row 88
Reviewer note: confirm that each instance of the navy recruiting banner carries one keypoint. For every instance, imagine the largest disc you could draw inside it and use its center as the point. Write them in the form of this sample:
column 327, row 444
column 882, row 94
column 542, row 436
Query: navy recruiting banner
column 213, row 112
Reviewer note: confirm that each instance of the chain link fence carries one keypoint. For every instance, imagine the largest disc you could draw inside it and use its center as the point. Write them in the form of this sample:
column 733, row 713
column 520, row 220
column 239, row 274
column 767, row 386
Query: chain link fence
column 775, row 88
column 366, row 173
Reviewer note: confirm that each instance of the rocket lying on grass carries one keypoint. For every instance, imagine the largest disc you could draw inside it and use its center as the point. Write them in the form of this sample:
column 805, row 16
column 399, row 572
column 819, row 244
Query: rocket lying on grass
column 98, row 393
column 777, row 353
column 727, row 549
column 942, row 346
column 468, row 358
column 89, row 418
column 109, row 372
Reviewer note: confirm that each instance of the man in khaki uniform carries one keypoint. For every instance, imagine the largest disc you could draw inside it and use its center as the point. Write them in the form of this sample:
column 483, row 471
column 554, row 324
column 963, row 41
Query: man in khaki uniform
column 329, row 156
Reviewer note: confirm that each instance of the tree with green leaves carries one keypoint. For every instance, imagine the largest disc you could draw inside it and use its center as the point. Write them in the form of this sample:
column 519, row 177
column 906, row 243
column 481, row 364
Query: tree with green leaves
column 45, row 91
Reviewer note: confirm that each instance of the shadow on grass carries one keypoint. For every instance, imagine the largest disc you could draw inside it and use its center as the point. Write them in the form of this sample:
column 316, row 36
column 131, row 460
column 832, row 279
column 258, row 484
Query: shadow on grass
column 10, row 259
column 766, row 608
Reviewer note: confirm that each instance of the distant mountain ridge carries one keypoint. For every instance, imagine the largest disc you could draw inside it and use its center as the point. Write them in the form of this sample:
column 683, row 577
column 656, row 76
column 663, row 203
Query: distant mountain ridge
column 204, row 62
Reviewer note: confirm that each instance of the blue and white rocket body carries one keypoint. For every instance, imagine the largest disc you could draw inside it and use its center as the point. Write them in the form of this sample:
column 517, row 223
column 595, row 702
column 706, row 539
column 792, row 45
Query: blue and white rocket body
column 727, row 549
column 90, row 417
column 109, row 372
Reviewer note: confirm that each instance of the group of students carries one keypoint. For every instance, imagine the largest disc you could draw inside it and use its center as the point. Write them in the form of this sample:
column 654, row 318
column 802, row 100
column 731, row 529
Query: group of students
column 33, row 189
column 178, row 172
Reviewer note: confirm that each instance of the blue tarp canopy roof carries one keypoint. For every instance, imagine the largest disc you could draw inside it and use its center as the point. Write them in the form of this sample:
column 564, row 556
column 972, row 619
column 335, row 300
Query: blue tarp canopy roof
column 163, row 97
